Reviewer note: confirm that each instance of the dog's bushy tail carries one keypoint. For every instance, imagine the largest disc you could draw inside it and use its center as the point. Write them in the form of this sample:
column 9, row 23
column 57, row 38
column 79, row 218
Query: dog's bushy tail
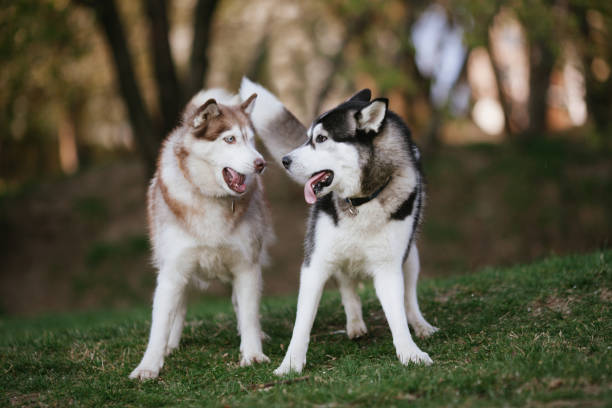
column 279, row 130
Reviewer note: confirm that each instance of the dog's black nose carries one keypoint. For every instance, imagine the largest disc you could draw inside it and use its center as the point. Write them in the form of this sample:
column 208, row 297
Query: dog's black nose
column 260, row 165
column 287, row 162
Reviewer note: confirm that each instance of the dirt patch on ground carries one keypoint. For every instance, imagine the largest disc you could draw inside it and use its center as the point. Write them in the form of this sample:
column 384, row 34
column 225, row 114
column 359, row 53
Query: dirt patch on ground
column 553, row 303
column 25, row 400
column 443, row 297
column 605, row 295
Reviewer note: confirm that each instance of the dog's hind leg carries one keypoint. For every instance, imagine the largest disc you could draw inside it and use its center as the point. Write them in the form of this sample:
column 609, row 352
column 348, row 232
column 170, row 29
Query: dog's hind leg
column 411, row 276
column 389, row 285
column 355, row 327
column 235, row 306
column 166, row 301
column 177, row 326
column 247, row 294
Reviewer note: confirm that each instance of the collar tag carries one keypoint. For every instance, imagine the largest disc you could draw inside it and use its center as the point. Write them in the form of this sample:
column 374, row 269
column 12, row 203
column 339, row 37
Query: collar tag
column 352, row 210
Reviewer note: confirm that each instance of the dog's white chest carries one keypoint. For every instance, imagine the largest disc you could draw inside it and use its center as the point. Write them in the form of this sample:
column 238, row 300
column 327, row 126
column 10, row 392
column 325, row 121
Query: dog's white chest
column 357, row 244
column 215, row 263
column 212, row 226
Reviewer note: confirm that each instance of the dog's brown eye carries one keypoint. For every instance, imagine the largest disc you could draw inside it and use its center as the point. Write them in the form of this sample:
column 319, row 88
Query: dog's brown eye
column 321, row 139
column 229, row 139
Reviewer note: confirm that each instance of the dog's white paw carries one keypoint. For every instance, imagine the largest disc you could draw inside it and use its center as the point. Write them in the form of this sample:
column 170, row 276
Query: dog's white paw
column 290, row 365
column 424, row 329
column 170, row 348
column 355, row 329
column 249, row 358
column 413, row 355
column 141, row 373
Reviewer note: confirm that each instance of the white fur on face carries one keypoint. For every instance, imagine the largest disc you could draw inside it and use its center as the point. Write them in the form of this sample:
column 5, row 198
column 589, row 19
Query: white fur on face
column 341, row 158
column 218, row 154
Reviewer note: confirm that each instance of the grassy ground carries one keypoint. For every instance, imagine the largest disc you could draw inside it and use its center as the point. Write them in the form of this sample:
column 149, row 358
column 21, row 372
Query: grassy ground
column 536, row 335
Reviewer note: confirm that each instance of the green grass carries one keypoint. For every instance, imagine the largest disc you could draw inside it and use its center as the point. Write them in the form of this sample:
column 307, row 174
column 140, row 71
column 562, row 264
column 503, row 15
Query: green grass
column 538, row 334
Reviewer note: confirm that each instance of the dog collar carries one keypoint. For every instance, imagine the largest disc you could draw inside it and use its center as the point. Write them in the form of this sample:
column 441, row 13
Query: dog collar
column 357, row 201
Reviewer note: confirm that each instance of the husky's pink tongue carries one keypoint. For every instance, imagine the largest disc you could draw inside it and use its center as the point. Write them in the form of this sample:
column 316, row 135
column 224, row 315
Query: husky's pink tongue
column 236, row 182
column 309, row 194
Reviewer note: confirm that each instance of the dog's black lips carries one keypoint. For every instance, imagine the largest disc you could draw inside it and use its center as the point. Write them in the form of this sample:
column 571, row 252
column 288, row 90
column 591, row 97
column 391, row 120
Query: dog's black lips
column 324, row 182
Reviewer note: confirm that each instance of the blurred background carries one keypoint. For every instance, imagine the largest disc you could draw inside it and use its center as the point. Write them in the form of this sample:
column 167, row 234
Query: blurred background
column 510, row 101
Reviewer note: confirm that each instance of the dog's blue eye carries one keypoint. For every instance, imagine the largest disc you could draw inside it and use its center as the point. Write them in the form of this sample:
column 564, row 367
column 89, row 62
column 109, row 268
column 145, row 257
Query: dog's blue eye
column 229, row 139
column 321, row 139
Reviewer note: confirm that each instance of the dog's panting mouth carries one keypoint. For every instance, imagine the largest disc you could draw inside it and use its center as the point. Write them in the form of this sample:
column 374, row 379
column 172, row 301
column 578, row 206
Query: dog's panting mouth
column 317, row 182
column 234, row 180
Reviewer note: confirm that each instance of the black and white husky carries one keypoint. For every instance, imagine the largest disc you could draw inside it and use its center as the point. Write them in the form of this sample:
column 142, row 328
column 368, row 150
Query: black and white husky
column 362, row 173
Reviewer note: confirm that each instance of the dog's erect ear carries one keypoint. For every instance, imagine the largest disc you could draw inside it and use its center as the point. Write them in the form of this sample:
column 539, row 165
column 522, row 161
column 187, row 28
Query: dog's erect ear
column 364, row 96
column 248, row 105
column 372, row 116
column 205, row 113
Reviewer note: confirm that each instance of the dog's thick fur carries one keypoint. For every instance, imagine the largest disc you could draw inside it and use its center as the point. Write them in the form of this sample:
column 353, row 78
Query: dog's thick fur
column 362, row 171
column 207, row 219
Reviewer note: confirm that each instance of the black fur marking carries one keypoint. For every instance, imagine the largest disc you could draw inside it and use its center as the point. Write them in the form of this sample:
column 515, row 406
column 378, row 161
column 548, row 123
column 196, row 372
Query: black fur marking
column 326, row 205
column 405, row 209
column 336, row 121
column 357, row 201
column 417, row 219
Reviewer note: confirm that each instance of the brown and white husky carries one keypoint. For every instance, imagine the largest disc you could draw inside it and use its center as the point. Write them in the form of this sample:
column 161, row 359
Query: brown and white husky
column 207, row 220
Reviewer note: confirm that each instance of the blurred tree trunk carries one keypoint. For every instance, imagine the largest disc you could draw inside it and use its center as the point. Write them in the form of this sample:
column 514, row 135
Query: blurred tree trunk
column 198, row 61
column 149, row 132
column 503, row 97
column 598, row 97
column 168, row 90
column 420, row 93
column 146, row 137
column 66, row 135
column 257, row 68
column 598, row 93
column 542, row 62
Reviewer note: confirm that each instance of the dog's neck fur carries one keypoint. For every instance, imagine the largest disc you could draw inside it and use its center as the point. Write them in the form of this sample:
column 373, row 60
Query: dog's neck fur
column 180, row 181
column 388, row 165
column 357, row 201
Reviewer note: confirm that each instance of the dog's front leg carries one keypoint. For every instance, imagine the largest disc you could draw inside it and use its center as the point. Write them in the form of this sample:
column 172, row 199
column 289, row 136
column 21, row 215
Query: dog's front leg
column 389, row 285
column 177, row 326
column 312, row 280
column 247, row 295
column 166, row 301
